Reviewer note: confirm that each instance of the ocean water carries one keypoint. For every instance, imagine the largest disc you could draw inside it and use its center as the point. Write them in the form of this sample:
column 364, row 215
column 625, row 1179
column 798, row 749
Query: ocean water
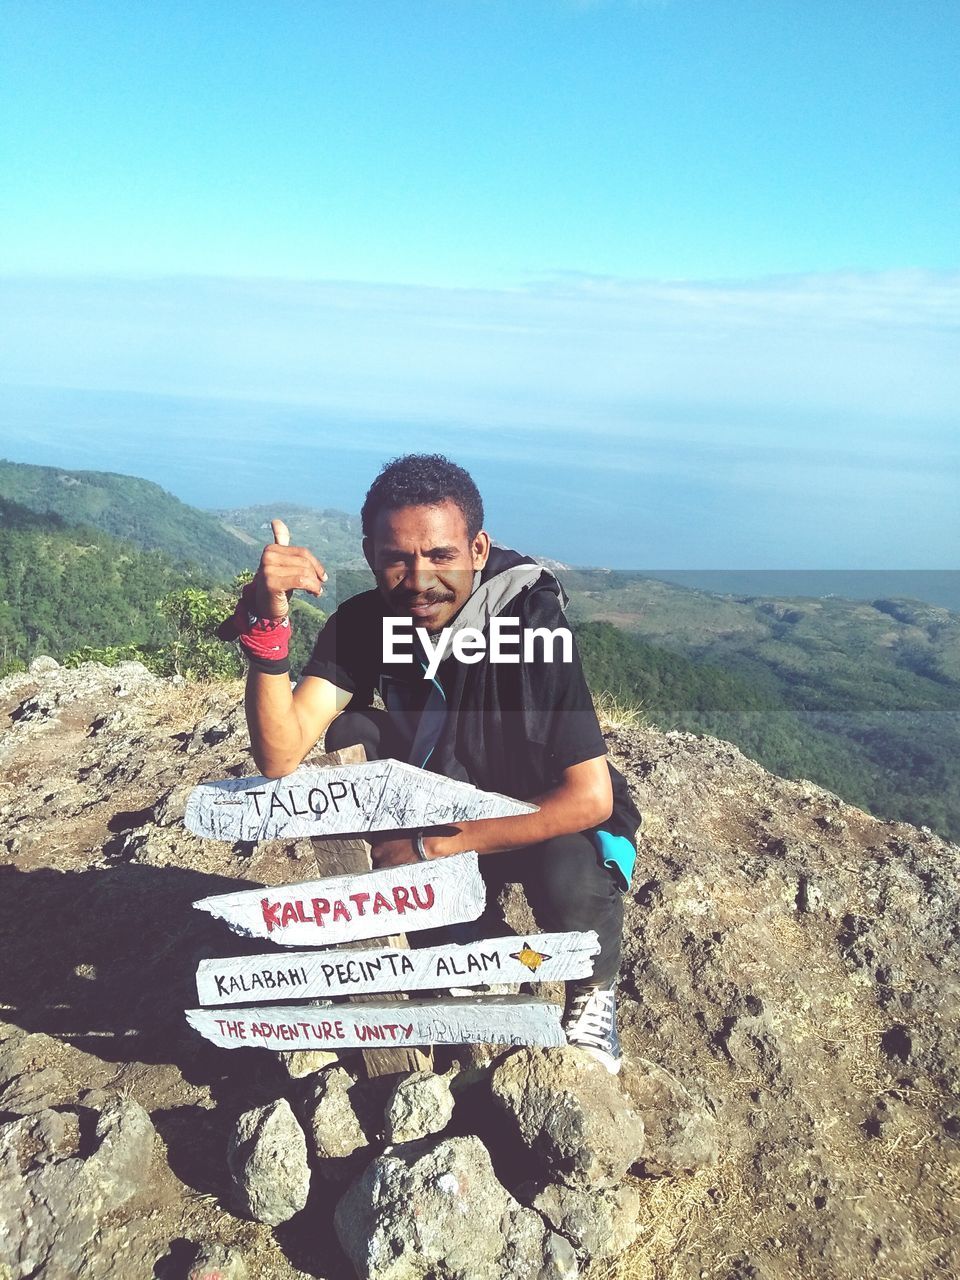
column 624, row 499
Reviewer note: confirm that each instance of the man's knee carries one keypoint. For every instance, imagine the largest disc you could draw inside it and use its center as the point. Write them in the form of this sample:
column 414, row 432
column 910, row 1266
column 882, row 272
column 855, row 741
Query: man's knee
column 569, row 881
column 351, row 728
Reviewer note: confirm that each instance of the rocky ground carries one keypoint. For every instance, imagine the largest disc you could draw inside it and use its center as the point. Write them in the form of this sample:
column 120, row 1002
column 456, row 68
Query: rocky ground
column 790, row 961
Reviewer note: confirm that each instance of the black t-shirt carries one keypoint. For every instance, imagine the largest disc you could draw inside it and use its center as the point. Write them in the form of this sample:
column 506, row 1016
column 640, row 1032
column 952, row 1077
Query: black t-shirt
column 511, row 728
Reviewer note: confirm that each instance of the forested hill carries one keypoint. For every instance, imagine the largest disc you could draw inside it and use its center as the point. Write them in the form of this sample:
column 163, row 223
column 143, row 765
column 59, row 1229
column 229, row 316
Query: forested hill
column 888, row 740
column 62, row 586
column 333, row 536
column 130, row 508
column 860, row 697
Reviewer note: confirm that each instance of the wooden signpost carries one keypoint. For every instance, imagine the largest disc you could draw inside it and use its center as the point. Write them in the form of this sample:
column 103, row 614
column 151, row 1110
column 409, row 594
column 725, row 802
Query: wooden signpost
column 306, row 975
column 377, row 795
column 492, row 1020
column 351, row 904
column 373, row 904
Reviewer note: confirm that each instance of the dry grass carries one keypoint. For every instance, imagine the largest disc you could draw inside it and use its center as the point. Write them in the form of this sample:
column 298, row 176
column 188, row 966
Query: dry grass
column 673, row 1214
column 182, row 707
column 616, row 712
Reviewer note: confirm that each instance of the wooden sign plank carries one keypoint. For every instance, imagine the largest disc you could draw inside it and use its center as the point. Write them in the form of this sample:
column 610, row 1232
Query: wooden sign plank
column 302, row 975
column 377, row 795
column 336, row 856
column 514, row 1020
column 372, row 904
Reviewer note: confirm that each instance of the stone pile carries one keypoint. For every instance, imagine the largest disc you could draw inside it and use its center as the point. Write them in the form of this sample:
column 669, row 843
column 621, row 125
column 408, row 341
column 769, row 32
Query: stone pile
column 66, row 1176
column 517, row 1171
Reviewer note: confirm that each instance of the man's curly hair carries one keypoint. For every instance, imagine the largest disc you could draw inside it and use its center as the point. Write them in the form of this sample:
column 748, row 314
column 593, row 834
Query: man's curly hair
column 422, row 480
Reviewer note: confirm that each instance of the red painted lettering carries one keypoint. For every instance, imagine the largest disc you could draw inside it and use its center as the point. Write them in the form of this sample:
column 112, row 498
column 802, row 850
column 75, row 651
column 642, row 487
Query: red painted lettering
column 320, row 907
column 270, row 917
column 380, row 903
column 232, row 1030
column 289, row 914
column 401, row 899
column 360, row 901
column 428, row 897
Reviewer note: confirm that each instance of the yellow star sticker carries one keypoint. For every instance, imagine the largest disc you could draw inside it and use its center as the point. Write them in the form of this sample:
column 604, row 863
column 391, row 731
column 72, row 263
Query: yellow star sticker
column 529, row 958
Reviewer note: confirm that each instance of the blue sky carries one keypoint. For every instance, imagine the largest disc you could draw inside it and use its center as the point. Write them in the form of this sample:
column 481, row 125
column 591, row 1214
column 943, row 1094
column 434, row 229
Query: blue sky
column 458, row 142
column 719, row 235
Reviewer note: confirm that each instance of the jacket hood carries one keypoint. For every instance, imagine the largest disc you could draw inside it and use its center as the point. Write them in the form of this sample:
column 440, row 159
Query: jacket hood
column 506, row 575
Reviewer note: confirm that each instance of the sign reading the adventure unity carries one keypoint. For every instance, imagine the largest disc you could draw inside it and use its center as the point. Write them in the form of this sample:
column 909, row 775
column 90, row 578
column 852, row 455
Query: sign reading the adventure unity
column 514, row 1020
column 377, row 795
column 535, row 957
column 371, row 904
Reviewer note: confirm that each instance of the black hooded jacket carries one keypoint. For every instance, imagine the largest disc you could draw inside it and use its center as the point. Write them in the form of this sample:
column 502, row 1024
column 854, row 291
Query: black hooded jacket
column 506, row 727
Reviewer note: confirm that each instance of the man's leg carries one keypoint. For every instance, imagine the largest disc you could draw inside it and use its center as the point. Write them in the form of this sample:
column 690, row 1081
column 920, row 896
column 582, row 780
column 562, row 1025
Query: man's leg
column 372, row 729
column 569, row 889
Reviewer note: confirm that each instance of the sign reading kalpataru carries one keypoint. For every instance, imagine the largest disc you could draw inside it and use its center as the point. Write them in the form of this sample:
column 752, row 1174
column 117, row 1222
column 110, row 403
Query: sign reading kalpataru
column 371, row 904
column 378, row 795
column 516, row 1020
column 535, row 957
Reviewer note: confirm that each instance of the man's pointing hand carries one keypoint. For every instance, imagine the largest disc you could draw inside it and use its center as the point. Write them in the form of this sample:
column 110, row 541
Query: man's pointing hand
column 284, row 569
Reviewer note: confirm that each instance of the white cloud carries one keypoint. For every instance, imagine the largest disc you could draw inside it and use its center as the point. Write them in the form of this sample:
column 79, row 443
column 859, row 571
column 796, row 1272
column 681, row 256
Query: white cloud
column 565, row 352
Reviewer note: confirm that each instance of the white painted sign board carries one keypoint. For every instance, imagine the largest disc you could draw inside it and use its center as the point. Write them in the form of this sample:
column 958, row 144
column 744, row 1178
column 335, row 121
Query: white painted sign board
column 514, row 1020
column 370, row 904
column 535, row 957
column 377, row 795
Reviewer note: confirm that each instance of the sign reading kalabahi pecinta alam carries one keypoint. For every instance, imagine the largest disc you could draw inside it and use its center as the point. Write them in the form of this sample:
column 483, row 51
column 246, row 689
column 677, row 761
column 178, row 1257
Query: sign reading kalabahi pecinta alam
column 378, row 795
column 305, row 975
column 371, row 904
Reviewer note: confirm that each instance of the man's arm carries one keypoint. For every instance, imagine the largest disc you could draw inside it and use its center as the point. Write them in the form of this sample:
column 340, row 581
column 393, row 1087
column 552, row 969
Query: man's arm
column 583, row 799
column 286, row 723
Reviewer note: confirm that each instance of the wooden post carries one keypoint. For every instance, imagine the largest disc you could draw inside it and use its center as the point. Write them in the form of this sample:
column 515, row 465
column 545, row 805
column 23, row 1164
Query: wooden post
column 343, row 857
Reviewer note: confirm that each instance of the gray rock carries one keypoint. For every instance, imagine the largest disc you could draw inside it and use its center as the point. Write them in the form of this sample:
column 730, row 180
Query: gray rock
column 680, row 1134
column 43, row 664
column 52, row 1200
column 125, row 1137
column 218, row 1262
column 267, row 1158
column 420, row 1105
column 34, row 1091
column 598, row 1223
column 307, row 1062
column 335, row 1132
column 437, row 1210
column 570, row 1113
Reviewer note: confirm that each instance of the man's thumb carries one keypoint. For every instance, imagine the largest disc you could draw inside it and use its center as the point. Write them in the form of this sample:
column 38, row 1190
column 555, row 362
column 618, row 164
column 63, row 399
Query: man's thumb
column 281, row 534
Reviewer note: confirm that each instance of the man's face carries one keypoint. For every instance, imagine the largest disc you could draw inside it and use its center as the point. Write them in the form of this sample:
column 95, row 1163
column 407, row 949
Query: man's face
column 424, row 562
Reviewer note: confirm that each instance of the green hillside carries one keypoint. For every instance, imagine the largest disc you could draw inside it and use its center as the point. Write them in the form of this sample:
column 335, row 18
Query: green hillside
column 889, row 743
column 861, row 697
column 333, row 536
column 63, row 585
column 127, row 507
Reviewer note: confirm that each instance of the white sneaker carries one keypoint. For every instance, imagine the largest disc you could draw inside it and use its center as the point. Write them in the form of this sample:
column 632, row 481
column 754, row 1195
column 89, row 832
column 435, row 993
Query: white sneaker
column 590, row 1023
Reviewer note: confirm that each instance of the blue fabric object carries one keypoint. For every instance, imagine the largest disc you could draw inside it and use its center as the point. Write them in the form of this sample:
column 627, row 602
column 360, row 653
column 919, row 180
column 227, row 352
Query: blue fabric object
column 618, row 854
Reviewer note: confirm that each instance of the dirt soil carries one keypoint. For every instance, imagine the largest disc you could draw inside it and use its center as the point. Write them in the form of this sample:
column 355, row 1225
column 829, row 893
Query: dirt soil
column 791, row 959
